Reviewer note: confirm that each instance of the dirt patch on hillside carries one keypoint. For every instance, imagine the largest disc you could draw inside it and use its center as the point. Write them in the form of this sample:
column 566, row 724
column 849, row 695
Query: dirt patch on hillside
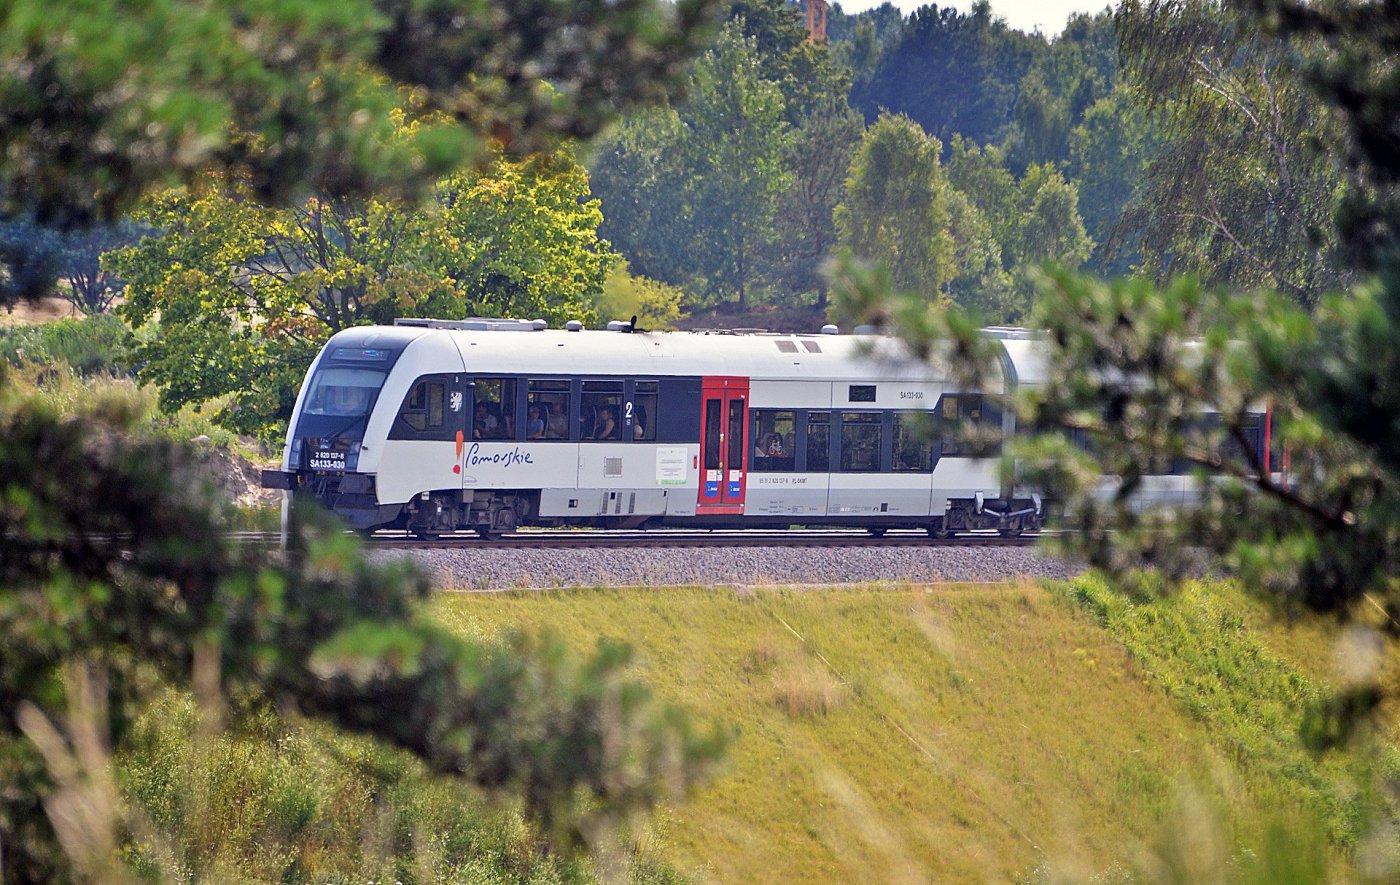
column 235, row 475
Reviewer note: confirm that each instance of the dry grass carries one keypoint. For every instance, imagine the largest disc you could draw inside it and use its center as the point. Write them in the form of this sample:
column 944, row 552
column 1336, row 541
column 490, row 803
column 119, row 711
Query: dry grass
column 804, row 689
column 911, row 734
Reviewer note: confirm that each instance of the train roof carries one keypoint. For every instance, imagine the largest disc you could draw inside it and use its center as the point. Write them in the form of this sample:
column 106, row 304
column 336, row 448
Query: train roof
column 522, row 347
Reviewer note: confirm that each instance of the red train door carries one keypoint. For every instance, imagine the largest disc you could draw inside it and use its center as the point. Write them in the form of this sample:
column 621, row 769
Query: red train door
column 724, row 444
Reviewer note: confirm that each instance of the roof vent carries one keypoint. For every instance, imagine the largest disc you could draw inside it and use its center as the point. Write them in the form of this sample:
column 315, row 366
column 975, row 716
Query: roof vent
column 574, row 326
column 619, row 326
column 831, row 329
column 539, row 325
column 866, row 330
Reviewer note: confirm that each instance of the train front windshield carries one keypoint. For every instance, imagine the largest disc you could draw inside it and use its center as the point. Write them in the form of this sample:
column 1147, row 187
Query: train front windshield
column 343, row 392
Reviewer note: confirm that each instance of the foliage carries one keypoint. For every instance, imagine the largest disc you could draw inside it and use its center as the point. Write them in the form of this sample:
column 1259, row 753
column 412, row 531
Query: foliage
column 1109, row 153
column 734, row 150
column 951, row 73
column 639, row 174
column 104, row 102
column 89, row 622
column 819, row 154
column 1242, row 191
column 272, row 799
column 895, row 207
column 1150, row 377
column 94, row 345
column 656, row 305
column 520, row 239
column 244, row 295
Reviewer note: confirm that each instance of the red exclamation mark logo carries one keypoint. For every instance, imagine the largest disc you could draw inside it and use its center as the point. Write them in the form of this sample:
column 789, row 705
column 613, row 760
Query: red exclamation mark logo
column 457, row 468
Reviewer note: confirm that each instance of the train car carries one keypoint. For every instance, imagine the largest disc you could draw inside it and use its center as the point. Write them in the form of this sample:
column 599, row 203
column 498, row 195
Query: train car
column 434, row 426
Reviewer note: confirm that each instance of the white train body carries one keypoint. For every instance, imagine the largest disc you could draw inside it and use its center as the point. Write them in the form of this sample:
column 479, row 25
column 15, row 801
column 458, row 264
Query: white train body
column 434, row 426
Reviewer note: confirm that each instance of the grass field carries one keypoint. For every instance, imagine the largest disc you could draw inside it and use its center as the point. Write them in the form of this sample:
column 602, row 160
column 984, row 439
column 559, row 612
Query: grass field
column 950, row 733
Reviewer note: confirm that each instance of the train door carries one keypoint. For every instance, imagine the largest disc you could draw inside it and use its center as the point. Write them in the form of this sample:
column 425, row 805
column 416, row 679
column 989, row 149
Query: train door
column 724, row 445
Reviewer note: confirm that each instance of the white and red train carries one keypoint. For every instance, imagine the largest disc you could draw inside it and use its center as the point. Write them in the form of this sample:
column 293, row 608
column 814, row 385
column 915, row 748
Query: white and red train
column 439, row 425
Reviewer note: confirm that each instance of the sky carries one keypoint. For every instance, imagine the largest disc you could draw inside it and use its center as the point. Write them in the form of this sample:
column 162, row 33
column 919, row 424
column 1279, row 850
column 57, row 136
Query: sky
column 1023, row 15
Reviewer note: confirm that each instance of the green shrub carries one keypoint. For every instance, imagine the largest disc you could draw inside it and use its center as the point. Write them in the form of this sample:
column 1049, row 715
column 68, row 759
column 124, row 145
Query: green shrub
column 89, row 346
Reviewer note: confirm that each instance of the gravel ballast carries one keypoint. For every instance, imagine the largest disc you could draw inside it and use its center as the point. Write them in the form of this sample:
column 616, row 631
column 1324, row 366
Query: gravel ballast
column 503, row 569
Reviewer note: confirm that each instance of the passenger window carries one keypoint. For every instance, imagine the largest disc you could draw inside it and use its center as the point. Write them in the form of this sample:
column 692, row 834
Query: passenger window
column 818, row 442
column 773, row 434
column 547, row 410
column 644, row 410
column 601, row 418
column 860, row 442
column 913, row 442
column 967, row 426
column 493, row 415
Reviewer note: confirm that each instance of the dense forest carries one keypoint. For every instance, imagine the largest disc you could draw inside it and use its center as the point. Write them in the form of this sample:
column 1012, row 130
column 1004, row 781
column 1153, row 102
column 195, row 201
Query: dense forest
column 1154, row 140
column 1149, row 140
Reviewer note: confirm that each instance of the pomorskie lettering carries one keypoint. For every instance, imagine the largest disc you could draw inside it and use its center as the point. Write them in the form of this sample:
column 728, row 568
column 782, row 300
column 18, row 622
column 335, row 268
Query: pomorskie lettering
column 501, row 459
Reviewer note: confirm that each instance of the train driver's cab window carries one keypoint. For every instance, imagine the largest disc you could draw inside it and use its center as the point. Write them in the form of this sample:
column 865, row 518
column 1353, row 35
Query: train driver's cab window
column 493, row 409
column 343, row 392
column 968, row 427
column 773, row 435
column 425, row 407
column 818, row 442
column 547, row 410
column 860, row 442
column 644, row 410
column 601, row 416
column 913, row 442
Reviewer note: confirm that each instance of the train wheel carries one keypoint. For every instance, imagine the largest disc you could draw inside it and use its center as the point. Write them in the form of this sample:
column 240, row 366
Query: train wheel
column 486, row 533
column 1012, row 528
column 425, row 535
column 876, row 533
column 939, row 532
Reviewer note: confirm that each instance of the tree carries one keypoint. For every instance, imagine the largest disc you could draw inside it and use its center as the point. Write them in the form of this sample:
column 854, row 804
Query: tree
column 1109, row 153
column 101, row 103
column 819, row 155
column 895, row 207
column 1021, row 223
column 244, row 295
column 116, row 577
column 1155, row 375
column 521, row 239
column 104, row 603
column 639, row 174
column 1237, row 194
column 952, row 73
column 734, row 148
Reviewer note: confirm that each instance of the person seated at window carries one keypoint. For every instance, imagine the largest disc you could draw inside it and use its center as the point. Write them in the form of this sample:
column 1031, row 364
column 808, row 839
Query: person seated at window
column 486, row 425
column 557, row 425
column 606, row 425
column 534, row 426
